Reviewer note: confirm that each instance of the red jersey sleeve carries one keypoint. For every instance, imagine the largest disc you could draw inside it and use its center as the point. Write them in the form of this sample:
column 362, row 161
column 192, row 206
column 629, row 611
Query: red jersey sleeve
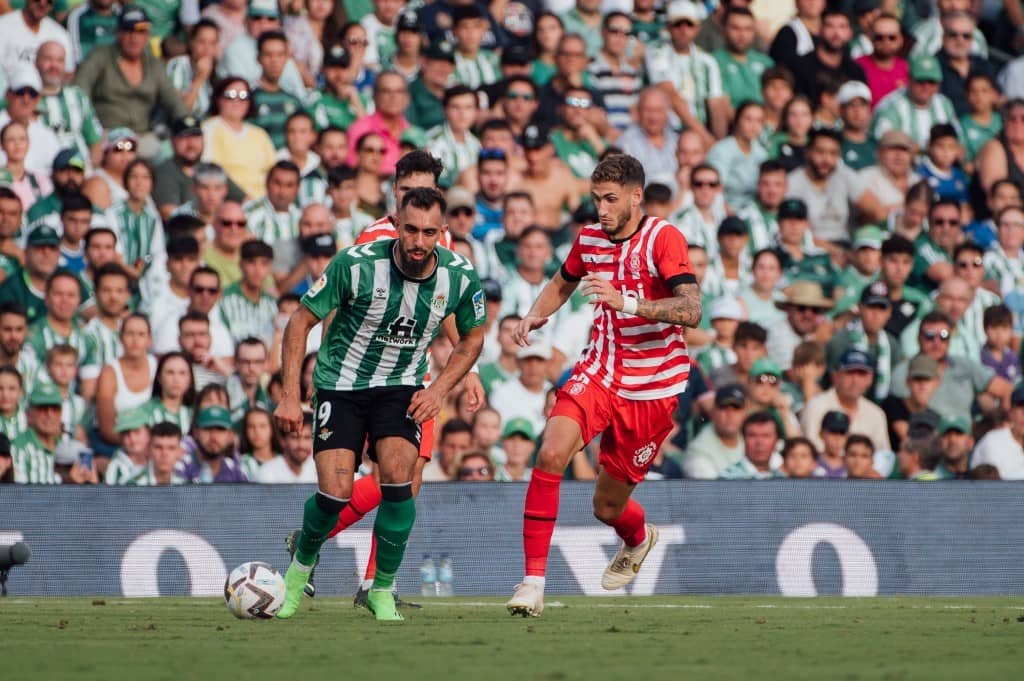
column 672, row 257
column 573, row 268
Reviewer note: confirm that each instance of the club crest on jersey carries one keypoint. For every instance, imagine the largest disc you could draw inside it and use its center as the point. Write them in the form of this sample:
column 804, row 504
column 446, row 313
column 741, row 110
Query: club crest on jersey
column 644, row 455
column 577, row 388
column 439, row 302
column 634, row 263
column 325, row 434
column 479, row 305
column 318, row 285
column 380, row 292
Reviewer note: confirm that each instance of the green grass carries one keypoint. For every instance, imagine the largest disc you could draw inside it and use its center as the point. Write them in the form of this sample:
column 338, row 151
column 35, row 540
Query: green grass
column 638, row 639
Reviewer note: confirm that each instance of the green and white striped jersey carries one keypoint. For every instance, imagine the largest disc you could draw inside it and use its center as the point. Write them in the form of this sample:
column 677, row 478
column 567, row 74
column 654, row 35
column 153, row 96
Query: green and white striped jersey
column 14, row 425
column 71, row 116
column 42, row 337
column 695, row 75
column 240, row 404
column 147, row 478
column 89, row 29
column 385, row 320
column 33, row 462
column 121, row 469
column 474, row 73
column 245, row 318
column 104, row 346
column 158, row 413
column 29, row 366
column 250, row 466
column 762, row 225
column 140, row 236
column 180, row 73
column 73, row 413
column 454, row 156
column 313, row 189
column 1006, row 271
column 269, row 225
column 897, row 112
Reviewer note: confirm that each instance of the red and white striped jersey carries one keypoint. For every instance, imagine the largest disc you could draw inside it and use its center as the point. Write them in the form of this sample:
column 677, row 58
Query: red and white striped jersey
column 385, row 228
column 638, row 358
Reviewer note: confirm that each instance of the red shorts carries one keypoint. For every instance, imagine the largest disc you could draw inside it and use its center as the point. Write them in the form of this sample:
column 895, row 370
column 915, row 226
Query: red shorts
column 427, row 439
column 631, row 430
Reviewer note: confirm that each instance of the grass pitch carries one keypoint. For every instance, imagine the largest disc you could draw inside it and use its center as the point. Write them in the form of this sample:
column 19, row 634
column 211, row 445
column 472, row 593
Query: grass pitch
column 577, row 638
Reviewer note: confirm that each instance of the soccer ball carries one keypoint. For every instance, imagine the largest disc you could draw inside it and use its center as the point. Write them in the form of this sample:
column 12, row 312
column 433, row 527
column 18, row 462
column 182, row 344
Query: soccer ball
column 254, row 591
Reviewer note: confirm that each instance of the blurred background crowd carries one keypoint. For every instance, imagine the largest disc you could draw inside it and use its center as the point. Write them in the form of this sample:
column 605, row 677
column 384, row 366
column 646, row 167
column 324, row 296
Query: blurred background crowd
column 175, row 174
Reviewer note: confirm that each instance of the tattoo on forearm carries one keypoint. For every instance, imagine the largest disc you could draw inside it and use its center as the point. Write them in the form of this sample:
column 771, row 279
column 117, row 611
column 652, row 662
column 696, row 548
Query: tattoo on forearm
column 683, row 308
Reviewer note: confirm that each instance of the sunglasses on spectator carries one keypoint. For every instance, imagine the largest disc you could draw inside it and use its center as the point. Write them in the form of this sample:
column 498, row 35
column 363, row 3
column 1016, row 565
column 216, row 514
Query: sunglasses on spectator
column 682, row 22
column 492, row 155
column 957, row 34
column 766, row 379
column 464, row 211
column 124, row 145
column 951, row 222
column 578, row 102
column 360, row 42
column 233, row 223
column 888, row 37
column 206, row 290
column 482, row 470
column 373, row 150
column 806, row 309
column 232, row 95
column 26, row 92
column 976, row 262
column 704, row 184
column 619, row 30
column 525, row 96
column 942, row 335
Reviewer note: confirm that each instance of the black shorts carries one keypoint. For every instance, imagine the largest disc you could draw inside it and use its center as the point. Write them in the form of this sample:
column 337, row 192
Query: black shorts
column 346, row 419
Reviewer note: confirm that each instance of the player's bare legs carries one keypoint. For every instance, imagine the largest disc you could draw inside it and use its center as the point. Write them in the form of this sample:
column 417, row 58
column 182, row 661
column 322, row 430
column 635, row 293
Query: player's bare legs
column 614, row 505
column 334, row 469
column 562, row 439
column 396, row 463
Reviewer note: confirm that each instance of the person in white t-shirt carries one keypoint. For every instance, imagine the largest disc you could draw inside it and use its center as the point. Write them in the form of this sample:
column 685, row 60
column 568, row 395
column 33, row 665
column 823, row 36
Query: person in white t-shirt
column 295, row 465
column 1002, row 447
column 524, row 396
column 25, row 30
column 24, row 90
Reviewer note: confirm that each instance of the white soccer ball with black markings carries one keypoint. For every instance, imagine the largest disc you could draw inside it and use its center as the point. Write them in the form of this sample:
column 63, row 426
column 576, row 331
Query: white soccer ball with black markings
column 254, row 591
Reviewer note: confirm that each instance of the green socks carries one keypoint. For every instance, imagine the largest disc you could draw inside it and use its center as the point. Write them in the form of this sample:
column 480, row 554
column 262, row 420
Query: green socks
column 395, row 519
column 318, row 519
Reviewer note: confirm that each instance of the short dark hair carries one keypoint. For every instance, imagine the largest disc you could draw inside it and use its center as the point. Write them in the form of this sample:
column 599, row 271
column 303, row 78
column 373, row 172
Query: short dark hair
column 606, row 22
column 253, row 249
column 183, row 225
column 181, row 246
column 425, row 198
column 997, row 315
column 111, row 269
column 14, row 308
column 794, row 442
column 201, row 270
column 759, row 417
column 270, row 36
column 620, row 169
column 858, row 439
column 530, row 230
column 193, row 316
column 455, row 426
column 456, row 91
column 766, row 253
column 967, row 246
column 339, row 174
column 329, row 130
column 943, row 201
column 511, row 80
column 418, row 161
column 737, row 11
column 771, row 166
column 656, row 192
column 829, row 133
column 284, row 166
column 897, row 244
column 778, row 73
column 516, row 195
column 299, row 114
column 750, row 331
column 834, row 12
column 936, row 317
column 63, row 272
column 74, row 202
column 8, row 193
column 165, row 429
column 93, row 231
column 495, row 124
column 250, row 341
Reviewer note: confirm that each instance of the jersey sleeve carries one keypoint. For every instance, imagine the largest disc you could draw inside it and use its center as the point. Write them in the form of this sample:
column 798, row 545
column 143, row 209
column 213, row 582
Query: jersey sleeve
column 573, row 269
column 672, row 258
column 329, row 290
column 472, row 309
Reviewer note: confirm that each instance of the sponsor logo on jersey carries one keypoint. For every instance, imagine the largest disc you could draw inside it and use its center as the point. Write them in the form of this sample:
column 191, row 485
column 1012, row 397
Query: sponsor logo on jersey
column 479, row 305
column 318, row 285
column 380, row 292
column 644, row 455
column 401, row 333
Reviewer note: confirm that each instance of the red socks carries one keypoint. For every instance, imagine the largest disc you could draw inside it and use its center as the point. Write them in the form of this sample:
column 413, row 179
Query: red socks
column 539, row 516
column 630, row 526
column 365, row 497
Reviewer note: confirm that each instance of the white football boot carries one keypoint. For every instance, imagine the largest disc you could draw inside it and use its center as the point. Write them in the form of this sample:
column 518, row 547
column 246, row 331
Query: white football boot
column 527, row 601
column 626, row 564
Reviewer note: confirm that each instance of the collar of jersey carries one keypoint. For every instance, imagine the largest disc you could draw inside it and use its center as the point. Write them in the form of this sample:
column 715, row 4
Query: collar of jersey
column 639, row 227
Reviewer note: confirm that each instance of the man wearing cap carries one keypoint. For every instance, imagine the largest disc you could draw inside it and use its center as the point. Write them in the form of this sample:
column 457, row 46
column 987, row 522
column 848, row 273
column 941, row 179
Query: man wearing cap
column 835, row 426
column 912, row 456
column 805, row 306
column 740, row 63
column 830, row 57
column 453, row 143
column 26, row 288
column 241, row 56
column 831, row 190
column 340, row 102
column 864, row 262
column 851, row 379
column 957, row 444
column 518, row 440
column 248, row 310
column 461, row 216
column 688, row 75
column 719, row 446
column 214, row 459
column 801, row 258
column 25, row 30
column 928, row 33
column 132, row 429
column 765, row 393
column 317, row 251
column 65, row 109
column 296, row 464
column 67, row 177
column 181, row 181
column 33, row 450
column 858, row 149
column 127, row 84
column 867, row 333
column 24, row 89
column 526, row 395
column 918, row 106
column 549, row 182
column 884, row 67
column 577, row 141
column 426, row 91
column 894, row 174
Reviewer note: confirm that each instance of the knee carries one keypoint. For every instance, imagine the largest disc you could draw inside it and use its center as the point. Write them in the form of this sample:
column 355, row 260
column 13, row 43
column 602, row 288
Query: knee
column 607, row 511
column 550, row 459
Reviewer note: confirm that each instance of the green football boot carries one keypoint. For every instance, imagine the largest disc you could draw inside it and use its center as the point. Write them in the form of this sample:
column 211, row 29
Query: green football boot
column 382, row 604
column 294, row 583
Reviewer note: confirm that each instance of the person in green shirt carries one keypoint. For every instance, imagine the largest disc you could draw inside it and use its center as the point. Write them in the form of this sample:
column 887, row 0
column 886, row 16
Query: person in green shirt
column 800, row 263
column 740, row 64
column 92, row 23
column 982, row 122
column 858, row 149
column 957, row 443
column 865, row 260
column 933, row 259
column 271, row 105
column 27, row 286
column 426, row 91
column 577, row 142
column 33, row 450
column 68, row 177
column 340, row 102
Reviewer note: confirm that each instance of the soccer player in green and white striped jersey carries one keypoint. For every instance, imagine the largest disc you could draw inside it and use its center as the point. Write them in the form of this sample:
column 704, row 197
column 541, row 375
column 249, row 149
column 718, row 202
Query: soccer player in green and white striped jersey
column 452, row 143
column 391, row 297
column 65, row 108
column 247, row 309
column 914, row 109
column 33, row 449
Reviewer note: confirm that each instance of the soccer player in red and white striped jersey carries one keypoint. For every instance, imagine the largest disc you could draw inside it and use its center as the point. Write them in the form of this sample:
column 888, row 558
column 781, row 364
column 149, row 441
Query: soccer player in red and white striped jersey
column 637, row 272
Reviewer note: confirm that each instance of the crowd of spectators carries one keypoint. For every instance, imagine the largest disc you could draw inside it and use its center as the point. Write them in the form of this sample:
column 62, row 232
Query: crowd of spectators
column 174, row 175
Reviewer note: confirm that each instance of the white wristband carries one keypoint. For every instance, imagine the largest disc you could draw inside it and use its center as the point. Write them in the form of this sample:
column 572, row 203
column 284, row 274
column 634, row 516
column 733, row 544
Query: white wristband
column 629, row 305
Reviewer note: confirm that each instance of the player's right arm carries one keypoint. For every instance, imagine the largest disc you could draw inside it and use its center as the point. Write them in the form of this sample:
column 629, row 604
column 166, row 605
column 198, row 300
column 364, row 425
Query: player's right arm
column 552, row 297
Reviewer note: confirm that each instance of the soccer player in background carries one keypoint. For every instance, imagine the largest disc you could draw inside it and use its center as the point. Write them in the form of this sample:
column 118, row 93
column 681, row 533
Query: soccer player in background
column 391, row 297
column 637, row 273
column 415, row 169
